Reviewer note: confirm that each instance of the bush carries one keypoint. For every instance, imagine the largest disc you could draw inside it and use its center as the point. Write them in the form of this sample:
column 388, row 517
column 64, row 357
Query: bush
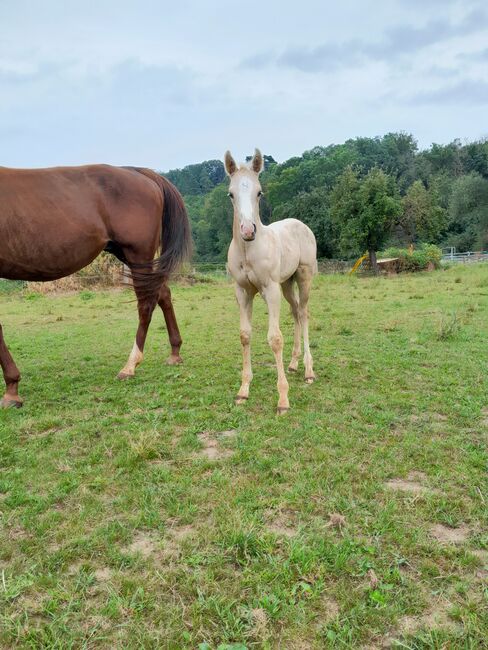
column 417, row 260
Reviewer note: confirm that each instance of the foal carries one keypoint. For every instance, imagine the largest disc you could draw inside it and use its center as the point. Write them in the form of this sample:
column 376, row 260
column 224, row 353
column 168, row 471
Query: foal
column 260, row 259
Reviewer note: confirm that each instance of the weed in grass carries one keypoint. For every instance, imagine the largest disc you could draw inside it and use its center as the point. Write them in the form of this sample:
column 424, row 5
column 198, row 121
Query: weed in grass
column 449, row 326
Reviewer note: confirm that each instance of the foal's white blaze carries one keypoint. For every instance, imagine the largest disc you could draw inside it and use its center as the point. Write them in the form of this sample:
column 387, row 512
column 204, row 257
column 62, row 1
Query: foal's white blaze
column 245, row 207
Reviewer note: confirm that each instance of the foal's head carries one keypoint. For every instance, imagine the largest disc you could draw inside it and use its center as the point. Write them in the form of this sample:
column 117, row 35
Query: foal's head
column 245, row 191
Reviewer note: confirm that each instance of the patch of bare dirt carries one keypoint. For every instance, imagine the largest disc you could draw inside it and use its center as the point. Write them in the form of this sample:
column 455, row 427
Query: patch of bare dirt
column 103, row 574
column 413, row 484
column 211, row 447
column 281, row 530
column 280, row 524
column 17, row 533
column 143, row 543
column 329, row 609
column 448, row 535
column 436, row 616
column 174, row 537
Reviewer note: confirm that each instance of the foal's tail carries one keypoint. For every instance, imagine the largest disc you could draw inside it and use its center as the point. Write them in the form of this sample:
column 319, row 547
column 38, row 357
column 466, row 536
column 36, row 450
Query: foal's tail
column 176, row 242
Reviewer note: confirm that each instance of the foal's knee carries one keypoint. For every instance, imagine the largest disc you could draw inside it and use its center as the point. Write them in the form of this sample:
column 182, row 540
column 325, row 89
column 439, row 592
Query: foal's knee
column 276, row 341
column 245, row 337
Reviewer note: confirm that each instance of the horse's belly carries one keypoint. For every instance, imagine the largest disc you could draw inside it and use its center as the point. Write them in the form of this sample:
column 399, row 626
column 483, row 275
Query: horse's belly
column 42, row 258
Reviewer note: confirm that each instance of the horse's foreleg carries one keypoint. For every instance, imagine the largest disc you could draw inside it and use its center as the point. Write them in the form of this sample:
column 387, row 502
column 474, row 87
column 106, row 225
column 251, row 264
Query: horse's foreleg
column 272, row 296
column 290, row 296
column 164, row 301
column 304, row 279
column 145, row 306
column 245, row 305
column 11, row 375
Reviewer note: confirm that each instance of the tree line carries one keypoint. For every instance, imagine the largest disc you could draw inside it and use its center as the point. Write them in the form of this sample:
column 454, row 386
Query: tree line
column 363, row 195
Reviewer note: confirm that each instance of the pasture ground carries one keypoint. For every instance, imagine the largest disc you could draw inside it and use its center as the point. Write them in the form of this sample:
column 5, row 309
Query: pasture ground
column 156, row 514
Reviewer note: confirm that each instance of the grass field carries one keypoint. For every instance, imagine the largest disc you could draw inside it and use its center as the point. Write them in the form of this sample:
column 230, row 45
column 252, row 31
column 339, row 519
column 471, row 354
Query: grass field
column 156, row 514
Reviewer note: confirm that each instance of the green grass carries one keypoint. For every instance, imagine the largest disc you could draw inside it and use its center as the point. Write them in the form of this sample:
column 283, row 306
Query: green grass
column 119, row 528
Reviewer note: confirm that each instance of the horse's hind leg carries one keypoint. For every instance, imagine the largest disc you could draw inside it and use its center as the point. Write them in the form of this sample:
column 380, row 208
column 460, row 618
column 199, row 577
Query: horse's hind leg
column 291, row 297
column 11, row 375
column 164, row 301
column 304, row 277
column 146, row 302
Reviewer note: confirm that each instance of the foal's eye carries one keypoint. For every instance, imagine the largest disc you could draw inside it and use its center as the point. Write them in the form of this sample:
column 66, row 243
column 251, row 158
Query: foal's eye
column 260, row 193
column 230, row 194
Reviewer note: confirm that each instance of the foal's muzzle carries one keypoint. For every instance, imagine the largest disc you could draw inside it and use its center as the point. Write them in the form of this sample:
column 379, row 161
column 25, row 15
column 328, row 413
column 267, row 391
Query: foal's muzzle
column 248, row 234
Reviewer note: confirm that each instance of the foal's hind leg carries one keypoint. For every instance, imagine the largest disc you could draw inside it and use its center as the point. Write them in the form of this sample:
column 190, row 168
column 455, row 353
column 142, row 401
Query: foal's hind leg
column 11, row 375
column 164, row 301
column 304, row 277
column 146, row 302
column 291, row 297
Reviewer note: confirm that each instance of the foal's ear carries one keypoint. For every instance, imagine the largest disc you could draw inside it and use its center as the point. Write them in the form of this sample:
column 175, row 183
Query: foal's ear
column 257, row 162
column 230, row 163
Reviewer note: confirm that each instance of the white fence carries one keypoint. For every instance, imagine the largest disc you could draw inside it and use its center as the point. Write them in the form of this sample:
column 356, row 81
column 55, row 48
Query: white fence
column 465, row 258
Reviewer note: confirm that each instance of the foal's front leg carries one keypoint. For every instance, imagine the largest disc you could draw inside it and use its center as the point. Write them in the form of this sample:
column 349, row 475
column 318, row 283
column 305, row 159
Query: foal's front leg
column 272, row 296
column 244, row 298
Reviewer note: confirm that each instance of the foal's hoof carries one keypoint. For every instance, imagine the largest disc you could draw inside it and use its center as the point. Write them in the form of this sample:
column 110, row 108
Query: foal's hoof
column 281, row 410
column 292, row 369
column 124, row 375
column 240, row 400
column 309, row 380
column 10, row 403
column 174, row 360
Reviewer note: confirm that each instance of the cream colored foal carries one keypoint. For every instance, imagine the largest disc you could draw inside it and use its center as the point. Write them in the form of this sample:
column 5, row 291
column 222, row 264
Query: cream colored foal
column 260, row 259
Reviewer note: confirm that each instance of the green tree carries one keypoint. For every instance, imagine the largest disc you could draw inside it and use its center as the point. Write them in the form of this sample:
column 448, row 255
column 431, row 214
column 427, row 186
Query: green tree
column 468, row 213
column 313, row 209
column 365, row 211
column 422, row 218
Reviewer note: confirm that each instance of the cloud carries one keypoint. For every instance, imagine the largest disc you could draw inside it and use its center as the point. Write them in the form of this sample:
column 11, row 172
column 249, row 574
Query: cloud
column 479, row 56
column 398, row 41
column 468, row 93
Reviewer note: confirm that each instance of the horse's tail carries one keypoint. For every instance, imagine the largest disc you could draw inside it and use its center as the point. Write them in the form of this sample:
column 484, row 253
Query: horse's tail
column 176, row 242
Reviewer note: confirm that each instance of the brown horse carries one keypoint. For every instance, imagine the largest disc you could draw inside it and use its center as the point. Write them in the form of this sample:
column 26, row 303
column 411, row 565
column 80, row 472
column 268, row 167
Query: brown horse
column 54, row 222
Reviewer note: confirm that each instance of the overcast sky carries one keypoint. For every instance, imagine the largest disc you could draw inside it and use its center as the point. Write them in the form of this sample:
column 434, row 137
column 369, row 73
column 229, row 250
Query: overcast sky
column 166, row 84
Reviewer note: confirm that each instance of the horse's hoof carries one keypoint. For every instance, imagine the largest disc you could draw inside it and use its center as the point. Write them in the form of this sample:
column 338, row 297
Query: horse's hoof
column 309, row 380
column 240, row 400
column 174, row 360
column 10, row 403
column 123, row 376
column 291, row 369
column 281, row 410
